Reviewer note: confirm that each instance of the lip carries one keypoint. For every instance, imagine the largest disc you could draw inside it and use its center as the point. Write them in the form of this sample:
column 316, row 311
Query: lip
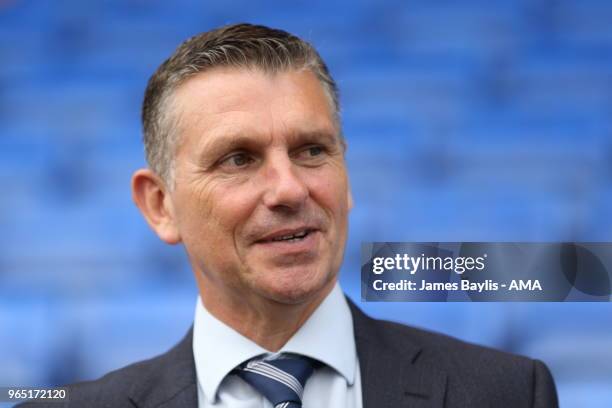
column 304, row 246
column 268, row 239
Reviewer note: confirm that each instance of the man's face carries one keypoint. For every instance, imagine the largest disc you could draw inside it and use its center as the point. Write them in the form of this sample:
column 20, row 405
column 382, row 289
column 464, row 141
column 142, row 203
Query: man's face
column 261, row 193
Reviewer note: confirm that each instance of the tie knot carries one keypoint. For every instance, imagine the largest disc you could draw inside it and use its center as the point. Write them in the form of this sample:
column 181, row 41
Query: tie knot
column 280, row 380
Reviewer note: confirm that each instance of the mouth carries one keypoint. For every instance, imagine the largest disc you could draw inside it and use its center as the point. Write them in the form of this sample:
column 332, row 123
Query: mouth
column 287, row 236
column 290, row 247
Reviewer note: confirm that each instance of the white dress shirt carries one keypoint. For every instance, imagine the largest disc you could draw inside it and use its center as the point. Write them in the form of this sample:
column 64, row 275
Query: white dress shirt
column 326, row 336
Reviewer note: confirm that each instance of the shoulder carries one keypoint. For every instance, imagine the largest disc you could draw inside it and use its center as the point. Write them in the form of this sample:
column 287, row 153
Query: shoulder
column 450, row 352
column 475, row 369
column 473, row 373
column 111, row 390
column 153, row 381
column 446, row 350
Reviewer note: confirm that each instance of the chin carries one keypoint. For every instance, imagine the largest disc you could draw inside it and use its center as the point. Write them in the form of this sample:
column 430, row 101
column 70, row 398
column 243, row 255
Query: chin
column 296, row 286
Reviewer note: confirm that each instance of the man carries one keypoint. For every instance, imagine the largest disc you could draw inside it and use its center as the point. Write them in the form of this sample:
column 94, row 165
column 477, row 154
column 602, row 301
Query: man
column 246, row 170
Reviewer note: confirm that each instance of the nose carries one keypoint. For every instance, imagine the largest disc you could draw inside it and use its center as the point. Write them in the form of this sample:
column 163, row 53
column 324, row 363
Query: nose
column 285, row 188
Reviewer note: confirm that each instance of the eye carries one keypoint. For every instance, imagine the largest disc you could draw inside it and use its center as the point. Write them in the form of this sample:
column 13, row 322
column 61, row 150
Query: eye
column 311, row 152
column 315, row 150
column 237, row 160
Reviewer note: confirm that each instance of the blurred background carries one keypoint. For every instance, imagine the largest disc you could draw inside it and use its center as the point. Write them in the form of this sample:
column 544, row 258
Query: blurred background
column 475, row 120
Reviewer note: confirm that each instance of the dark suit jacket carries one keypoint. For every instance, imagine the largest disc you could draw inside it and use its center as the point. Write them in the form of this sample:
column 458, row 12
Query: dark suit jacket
column 400, row 367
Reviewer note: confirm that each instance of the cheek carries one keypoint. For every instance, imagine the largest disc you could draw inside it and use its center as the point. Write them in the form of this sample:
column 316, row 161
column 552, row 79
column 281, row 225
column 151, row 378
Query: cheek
column 330, row 190
column 217, row 210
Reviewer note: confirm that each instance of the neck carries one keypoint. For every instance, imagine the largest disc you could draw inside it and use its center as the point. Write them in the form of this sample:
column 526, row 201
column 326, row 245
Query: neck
column 267, row 322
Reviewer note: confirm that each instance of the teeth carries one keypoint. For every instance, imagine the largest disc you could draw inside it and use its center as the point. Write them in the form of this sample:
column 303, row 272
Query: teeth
column 297, row 235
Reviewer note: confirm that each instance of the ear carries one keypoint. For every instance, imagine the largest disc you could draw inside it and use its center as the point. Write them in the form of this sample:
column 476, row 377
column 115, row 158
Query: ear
column 151, row 196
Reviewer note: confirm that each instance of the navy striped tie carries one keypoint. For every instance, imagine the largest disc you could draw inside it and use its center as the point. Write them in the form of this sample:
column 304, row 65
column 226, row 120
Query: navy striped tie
column 281, row 381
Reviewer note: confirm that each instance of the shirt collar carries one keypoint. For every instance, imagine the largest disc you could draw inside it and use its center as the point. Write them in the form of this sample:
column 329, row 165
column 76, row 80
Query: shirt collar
column 327, row 336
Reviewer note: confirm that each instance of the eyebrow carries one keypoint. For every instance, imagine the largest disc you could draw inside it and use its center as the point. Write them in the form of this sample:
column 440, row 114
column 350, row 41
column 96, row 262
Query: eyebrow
column 224, row 144
column 321, row 135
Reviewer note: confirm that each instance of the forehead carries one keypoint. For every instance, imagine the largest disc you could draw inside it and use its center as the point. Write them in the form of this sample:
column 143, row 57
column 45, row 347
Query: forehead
column 251, row 102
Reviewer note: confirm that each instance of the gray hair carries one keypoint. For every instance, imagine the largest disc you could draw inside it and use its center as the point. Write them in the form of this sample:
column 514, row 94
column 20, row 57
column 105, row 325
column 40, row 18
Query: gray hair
column 240, row 46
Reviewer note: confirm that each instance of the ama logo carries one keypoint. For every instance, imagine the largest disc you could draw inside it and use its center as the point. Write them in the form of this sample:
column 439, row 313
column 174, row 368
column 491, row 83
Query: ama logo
column 520, row 284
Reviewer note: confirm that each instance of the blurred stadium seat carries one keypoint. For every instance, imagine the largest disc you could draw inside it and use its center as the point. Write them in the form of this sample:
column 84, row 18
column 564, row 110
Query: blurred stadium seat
column 473, row 120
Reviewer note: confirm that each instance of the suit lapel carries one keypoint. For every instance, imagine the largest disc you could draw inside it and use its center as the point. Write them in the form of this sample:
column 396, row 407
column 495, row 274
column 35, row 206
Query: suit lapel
column 392, row 372
column 170, row 381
